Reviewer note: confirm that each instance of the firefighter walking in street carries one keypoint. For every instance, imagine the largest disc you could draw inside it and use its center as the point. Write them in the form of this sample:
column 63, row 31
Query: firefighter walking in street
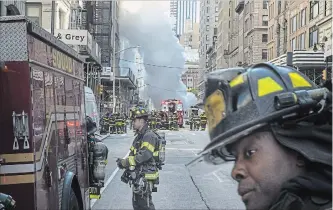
column 203, row 121
column 119, row 124
column 276, row 124
column 153, row 120
column 175, row 121
column 123, row 123
column 105, row 123
column 158, row 120
column 191, row 121
column 196, row 122
column 112, row 123
column 132, row 114
column 142, row 163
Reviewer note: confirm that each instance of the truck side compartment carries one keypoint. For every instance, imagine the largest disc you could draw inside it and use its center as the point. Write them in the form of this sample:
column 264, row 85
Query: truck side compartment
column 42, row 117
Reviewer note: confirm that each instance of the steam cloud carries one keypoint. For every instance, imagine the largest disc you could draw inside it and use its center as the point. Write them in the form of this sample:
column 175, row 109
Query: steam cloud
column 150, row 28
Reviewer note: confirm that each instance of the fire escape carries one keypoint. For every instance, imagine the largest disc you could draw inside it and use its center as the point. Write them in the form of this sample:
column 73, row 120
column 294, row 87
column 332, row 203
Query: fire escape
column 99, row 24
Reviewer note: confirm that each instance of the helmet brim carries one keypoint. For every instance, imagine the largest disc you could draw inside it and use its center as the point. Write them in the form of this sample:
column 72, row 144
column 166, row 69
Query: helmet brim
column 217, row 146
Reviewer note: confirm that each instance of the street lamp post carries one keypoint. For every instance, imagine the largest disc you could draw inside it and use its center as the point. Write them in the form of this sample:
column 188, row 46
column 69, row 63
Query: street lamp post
column 114, row 75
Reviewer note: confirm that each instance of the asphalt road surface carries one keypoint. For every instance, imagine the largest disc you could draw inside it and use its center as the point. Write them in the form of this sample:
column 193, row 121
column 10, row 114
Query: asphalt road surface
column 197, row 187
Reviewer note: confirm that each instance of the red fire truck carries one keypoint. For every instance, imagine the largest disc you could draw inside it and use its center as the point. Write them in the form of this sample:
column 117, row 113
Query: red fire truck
column 43, row 152
column 173, row 106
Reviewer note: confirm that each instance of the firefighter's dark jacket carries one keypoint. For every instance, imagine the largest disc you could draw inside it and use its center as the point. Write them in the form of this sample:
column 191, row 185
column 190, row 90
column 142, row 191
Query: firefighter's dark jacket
column 312, row 191
column 143, row 148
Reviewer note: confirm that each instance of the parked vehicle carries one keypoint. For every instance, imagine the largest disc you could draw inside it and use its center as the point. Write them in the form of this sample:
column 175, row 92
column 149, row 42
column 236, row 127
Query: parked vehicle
column 91, row 106
column 44, row 147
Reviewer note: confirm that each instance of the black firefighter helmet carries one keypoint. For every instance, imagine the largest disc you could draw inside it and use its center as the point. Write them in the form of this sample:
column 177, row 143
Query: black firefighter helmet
column 141, row 113
column 263, row 95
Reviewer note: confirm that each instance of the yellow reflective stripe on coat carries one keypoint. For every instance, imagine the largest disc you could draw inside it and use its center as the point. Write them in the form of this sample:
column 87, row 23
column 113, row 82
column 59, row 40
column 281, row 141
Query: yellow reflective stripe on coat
column 94, row 196
column 155, row 153
column 149, row 146
column 133, row 149
column 152, row 176
column 131, row 160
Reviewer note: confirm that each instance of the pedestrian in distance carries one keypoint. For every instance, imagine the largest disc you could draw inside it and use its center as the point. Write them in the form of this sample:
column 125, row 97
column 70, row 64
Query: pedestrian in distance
column 276, row 125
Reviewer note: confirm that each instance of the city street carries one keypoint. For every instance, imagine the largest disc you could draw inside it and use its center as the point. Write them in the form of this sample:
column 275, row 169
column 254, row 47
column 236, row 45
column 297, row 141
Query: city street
column 180, row 187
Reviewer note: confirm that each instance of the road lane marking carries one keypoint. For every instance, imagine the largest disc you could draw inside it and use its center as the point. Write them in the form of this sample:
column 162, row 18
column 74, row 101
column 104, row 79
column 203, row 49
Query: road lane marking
column 186, row 149
column 194, row 153
column 93, row 201
column 217, row 177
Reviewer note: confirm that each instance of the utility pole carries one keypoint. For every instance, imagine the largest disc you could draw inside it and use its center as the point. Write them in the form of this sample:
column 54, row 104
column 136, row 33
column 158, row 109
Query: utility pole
column 53, row 7
column 113, row 8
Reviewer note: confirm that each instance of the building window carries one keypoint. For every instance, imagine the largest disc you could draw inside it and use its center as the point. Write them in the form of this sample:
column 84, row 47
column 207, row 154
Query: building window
column 216, row 9
column 302, row 41
column 264, row 54
column 34, row 12
column 265, row 20
column 293, row 44
column 279, row 7
column 207, row 27
column 293, row 22
column 313, row 36
column 207, row 19
column 207, row 46
column 207, row 38
column 207, row 10
column 264, row 38
column 314, row 9
column 303, row 17
column 328, row 9
column 216, row 18
column 265, row 4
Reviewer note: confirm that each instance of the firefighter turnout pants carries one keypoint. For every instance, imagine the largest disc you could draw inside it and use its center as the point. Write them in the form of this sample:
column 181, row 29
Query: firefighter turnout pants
column 143, row 201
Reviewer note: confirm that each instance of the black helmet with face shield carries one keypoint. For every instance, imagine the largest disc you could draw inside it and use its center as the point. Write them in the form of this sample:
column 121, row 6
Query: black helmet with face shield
column 241, row 101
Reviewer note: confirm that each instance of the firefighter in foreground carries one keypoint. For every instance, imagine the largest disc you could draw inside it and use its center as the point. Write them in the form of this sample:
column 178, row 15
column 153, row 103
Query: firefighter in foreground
column 203, row 121
column 141, row 163
column 276, row 125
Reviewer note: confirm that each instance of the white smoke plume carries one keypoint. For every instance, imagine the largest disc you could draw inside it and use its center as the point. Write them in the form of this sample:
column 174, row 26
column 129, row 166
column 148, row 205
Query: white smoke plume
column 150, row 28
column 127, row 55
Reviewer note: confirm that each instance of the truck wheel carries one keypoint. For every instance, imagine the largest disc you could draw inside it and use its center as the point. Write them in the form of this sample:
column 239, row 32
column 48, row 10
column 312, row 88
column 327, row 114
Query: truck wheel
column 73, row 202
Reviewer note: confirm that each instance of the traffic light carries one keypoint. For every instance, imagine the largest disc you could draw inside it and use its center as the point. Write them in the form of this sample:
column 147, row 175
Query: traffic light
column 324, row 75
column 100, row 89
